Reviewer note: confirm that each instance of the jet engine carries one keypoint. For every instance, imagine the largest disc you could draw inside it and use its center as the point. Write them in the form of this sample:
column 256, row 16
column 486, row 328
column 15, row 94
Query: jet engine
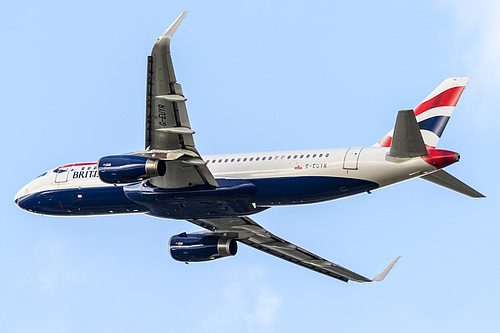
column 129, row 168
column 200, row 247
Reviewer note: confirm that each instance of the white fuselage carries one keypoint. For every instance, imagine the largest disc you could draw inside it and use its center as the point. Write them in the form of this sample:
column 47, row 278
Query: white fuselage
column 281, row 178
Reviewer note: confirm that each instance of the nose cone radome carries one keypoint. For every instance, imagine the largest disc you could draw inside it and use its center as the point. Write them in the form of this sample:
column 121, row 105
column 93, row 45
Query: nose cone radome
column 440, row 158
column 22, row 198
column 22, row 192
column 26, row 197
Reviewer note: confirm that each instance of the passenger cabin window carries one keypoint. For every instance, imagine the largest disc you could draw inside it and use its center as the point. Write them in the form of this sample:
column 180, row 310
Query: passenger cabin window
column 314, row 155
column 320, row 155
column 251, row 159
column 232, row 160
column 301, row 156
column 308, row 156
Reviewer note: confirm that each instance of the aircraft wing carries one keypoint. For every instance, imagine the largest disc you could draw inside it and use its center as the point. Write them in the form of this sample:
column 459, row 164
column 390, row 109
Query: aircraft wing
column 246, row 231
column 168, row 133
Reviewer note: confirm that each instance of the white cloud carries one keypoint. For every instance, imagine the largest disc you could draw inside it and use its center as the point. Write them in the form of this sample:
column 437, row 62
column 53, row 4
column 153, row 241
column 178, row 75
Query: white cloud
column 246, row 302
column 267, row 305
column 477, row 36
column 477, row 23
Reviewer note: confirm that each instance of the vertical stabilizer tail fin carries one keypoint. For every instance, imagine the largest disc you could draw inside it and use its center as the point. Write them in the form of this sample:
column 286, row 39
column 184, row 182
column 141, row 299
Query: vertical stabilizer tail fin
column 434, row 111
column 407, row 140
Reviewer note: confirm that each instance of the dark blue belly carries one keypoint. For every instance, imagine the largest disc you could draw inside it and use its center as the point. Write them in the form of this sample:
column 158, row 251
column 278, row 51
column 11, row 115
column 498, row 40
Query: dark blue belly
column 233, row 197
column 85, row 201
column 301, row 190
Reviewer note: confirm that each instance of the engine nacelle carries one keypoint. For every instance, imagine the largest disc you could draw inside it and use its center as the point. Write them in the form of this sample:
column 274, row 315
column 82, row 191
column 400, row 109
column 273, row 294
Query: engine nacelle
column 129, row 168
column 200, row 247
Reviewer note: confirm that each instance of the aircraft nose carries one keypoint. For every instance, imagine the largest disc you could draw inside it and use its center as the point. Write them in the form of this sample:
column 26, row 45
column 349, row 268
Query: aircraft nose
column 19, row 198
column 18, row 195
column 26, row 201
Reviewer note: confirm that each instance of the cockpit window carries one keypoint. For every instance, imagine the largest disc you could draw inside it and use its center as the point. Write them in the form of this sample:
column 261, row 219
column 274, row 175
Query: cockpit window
column 43, row 174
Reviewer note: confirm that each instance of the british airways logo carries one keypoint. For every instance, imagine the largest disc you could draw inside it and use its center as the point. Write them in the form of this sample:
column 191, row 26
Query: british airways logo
column 79, row 170
column 85, row 174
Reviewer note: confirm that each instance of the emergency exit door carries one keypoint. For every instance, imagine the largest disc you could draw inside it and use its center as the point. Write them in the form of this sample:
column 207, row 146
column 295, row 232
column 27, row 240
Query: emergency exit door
column 351, row 158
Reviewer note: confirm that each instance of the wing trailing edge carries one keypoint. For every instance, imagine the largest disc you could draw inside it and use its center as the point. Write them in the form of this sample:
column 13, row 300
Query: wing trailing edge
column 247, row 231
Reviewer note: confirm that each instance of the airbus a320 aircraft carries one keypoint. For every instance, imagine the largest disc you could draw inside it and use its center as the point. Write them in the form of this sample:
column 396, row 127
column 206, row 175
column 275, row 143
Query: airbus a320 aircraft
column 170, row 179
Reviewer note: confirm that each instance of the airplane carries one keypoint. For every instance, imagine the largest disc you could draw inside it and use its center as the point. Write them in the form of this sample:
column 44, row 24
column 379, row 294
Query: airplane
column 170, row 179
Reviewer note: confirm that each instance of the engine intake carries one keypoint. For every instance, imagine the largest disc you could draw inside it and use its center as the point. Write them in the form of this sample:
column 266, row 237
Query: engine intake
column 129, row 168
column 200, row 247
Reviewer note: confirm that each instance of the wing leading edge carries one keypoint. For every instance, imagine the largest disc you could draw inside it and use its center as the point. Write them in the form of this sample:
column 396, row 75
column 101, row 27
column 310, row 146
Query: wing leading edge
column 247, row 231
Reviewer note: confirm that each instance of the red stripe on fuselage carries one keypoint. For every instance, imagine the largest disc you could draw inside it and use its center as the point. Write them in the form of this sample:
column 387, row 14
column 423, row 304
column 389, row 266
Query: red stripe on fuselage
column 448, row 97
column 75, row 165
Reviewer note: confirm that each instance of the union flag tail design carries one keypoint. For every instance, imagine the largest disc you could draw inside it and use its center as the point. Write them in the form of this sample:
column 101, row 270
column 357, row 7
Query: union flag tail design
column 434, row 111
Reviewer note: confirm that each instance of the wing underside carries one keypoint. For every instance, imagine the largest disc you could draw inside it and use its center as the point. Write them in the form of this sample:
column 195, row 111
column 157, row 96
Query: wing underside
column 168, row 132
column 246, row 231
column 169, row 137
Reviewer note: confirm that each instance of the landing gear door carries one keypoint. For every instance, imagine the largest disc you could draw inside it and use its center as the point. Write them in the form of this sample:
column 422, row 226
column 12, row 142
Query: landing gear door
column 351, row 158
column 62, row 173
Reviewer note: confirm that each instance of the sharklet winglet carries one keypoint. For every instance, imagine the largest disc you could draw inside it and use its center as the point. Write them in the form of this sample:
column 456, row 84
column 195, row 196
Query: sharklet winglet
column 380, row 276
column 173, row 27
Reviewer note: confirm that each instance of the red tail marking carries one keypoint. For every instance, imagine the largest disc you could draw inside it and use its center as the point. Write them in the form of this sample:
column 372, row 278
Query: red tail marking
column 440, row 158
column 448, row 97
column 386, row 141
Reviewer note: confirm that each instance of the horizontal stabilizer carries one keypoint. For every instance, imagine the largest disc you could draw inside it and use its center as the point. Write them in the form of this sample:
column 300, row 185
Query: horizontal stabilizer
column 407, row 140
column 444, row 179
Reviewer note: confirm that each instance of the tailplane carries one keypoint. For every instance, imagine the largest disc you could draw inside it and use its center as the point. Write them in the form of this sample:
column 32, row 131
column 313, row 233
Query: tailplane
column 444, row 179
column 434, row 112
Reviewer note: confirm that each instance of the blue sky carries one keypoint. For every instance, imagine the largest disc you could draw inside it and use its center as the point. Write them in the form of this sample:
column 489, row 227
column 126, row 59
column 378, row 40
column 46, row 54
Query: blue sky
column 259, row 76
